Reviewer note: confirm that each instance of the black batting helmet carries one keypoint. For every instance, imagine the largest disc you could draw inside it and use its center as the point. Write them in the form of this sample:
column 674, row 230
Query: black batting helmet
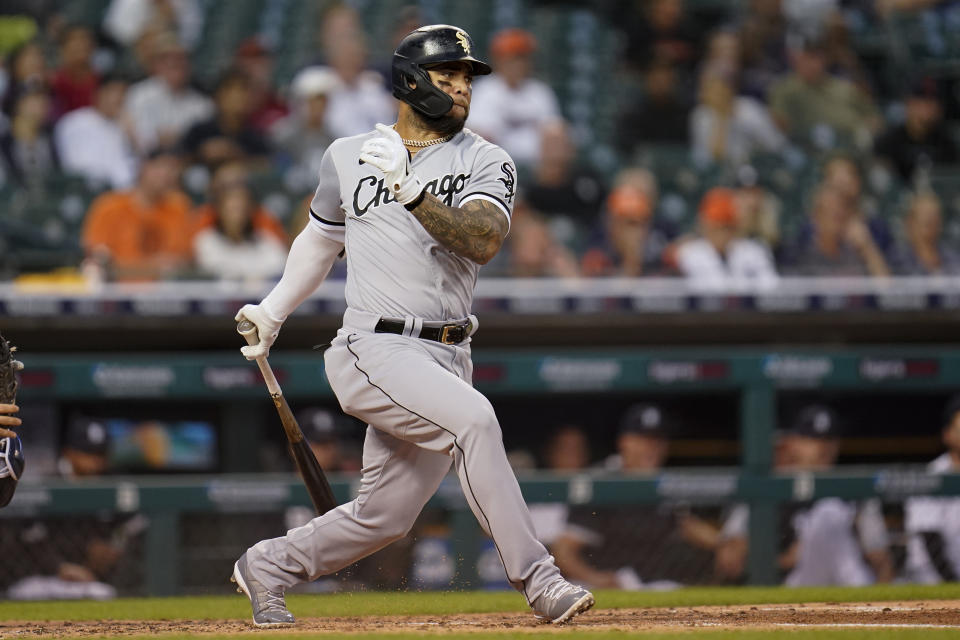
column 433, row 44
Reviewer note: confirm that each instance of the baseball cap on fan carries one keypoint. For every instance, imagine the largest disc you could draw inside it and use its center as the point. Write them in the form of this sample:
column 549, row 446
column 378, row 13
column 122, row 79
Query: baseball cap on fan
column 88, row 435
column 719, row 207
column 321, row 425
column 816, row 421
column 512, row 42
column 645, row 419
column 314, row 81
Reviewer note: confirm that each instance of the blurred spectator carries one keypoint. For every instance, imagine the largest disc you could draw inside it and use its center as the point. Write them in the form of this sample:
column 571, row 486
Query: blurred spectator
column 661, row 30
column 842, row 58
column 629, row 241
column 74, row 81
column 360, row 100
column 27, row 149
column 719, row 259
column 329, row 434
column 510, row 107
column 126, row 21
column 227, row 135
column 233, row 249
column 723, row 56
column 818, row 110
column 230, row 174
column 838, row 241
column 532, row 251
column 843, row 172
column 725, row 127
column 302, row 136
column 93, row 142
column 933, row 524
column 921, row 141
column 758, row 210
column 256, row 61
column 85, row 450
column 145, row 232
column 559, row 186
column 164, row 106
column 640, row 546
column 408, row 18
column 762, row 31
column 830, row 541
column 924, row 251
column 567, row 449
column 27, row 69
column 662, row 115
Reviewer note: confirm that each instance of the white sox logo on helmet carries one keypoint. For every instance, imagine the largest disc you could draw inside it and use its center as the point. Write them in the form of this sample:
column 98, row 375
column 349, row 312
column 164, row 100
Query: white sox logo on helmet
column 462, row 39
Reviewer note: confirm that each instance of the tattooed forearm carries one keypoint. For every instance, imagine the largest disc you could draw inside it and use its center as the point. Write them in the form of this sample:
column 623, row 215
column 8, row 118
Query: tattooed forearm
column 474, row 231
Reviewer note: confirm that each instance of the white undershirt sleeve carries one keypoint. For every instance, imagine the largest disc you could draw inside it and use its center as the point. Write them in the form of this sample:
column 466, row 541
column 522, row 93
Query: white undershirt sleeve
column 311, row 256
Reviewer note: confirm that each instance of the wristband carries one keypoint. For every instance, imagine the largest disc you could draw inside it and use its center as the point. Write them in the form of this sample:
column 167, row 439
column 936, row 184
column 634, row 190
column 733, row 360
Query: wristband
column 413, row 204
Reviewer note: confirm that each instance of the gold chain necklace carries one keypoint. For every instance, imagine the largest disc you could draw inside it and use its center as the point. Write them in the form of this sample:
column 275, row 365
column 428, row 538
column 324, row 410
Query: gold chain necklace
column 424, row 143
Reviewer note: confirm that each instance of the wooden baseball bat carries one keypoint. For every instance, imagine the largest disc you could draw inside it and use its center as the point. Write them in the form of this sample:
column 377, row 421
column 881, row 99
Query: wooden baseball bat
column 313, row 477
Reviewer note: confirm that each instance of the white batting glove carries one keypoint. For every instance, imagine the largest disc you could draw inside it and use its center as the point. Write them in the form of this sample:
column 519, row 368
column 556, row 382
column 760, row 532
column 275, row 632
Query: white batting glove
column 268, row 328
column 387, row 153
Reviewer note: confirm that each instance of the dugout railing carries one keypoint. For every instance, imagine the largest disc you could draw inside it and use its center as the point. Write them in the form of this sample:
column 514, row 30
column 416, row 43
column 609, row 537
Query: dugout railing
column 755, row 376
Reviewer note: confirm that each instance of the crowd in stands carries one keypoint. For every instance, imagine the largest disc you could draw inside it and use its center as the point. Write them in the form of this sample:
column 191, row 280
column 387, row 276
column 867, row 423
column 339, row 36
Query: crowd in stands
column 753, row 141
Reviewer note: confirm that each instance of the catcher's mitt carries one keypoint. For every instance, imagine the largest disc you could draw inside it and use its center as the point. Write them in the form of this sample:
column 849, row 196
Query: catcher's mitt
column 8, row 372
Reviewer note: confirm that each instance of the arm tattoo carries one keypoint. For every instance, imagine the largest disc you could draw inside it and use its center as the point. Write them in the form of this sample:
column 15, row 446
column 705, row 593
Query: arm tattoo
column 474, row 231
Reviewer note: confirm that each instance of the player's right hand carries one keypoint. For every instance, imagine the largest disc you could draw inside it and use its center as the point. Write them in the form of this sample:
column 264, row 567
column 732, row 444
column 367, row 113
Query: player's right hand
column 268, row 328
column 7, row 420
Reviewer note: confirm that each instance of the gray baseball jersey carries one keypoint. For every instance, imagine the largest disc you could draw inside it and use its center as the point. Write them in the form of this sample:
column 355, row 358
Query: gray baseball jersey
column 415, row 394
column 394, row 267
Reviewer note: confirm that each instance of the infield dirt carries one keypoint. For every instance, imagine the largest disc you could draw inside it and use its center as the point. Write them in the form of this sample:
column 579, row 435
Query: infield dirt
column 939, row 613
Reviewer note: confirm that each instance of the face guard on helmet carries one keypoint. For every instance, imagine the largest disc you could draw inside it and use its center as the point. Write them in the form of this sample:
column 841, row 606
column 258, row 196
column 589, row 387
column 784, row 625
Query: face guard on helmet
column 421, row 49
column 11, row 468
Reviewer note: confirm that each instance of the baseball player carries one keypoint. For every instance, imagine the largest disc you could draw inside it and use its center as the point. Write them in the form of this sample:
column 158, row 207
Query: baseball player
column 933, row 523
column 417, row 207
column 827, row 541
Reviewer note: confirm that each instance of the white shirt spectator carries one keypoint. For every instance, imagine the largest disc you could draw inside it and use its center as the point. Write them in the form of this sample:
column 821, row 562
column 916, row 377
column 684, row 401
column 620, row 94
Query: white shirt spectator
column 260, row 258
column 747, row 265
column 933, row 527
column 749, row 130
column 357, row 108
column 96, row 147
column 512, row 118
column 156, row 109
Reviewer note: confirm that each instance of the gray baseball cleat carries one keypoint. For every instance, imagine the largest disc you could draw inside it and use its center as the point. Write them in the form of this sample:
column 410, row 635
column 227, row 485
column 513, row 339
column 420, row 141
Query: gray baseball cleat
column 561, row 601
column 269, row 607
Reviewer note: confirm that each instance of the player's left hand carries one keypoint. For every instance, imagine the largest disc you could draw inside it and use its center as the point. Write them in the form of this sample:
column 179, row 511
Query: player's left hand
column 387, row 153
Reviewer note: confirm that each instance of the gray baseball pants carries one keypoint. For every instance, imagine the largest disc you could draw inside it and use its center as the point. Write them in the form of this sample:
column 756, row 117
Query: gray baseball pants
column 423, row 414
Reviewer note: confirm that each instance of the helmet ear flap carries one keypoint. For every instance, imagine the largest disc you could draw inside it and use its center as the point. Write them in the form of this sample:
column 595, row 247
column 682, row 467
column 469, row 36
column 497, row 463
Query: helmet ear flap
column 424, row 96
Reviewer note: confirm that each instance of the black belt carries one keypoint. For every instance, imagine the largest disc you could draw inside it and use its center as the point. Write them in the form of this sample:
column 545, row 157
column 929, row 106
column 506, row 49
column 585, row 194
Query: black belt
column 451, row 333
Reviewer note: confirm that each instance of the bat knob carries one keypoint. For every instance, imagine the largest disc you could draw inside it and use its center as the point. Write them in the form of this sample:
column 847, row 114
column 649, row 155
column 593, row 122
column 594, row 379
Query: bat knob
column 245, row 327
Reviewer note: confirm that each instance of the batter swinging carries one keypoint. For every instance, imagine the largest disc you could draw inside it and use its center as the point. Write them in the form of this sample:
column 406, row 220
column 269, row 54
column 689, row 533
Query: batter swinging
column 418, row 207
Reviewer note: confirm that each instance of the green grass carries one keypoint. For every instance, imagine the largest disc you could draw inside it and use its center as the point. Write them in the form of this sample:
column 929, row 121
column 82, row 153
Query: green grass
column 439, row 603
column 580, row 634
